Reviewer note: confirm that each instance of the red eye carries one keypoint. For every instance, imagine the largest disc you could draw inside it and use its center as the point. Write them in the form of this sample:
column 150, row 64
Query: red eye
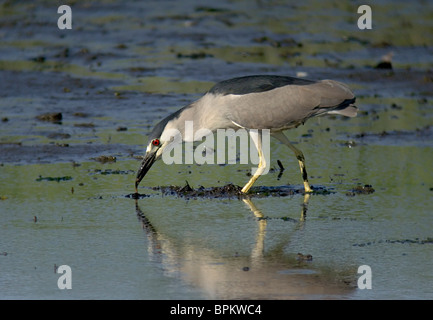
column 156, row 142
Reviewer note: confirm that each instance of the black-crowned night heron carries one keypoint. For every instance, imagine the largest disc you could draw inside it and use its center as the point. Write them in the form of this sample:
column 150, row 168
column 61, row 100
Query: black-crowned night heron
column 276, row 103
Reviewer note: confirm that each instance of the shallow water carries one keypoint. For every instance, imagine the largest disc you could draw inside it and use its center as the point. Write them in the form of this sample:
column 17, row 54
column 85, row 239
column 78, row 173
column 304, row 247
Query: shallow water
column 122, row 68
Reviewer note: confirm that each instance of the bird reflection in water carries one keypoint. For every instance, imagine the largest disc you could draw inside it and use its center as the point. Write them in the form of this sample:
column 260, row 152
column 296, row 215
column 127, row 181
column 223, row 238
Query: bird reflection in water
column 257, row 275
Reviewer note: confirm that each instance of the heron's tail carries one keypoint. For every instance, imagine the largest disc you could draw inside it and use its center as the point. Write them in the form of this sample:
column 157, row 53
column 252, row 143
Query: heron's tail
column 335, row 98
column 348, row 110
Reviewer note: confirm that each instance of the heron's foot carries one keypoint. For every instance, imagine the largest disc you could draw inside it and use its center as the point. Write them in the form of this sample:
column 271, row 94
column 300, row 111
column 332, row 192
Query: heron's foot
column 250, row 183
column 307, row 187
column 245, row 189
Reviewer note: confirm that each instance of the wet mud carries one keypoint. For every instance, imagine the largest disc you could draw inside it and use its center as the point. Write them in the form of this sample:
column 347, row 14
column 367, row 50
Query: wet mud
column 396, row 241
column 366, row 189
column 57, row 179
column 419, row 136
column 233, row 191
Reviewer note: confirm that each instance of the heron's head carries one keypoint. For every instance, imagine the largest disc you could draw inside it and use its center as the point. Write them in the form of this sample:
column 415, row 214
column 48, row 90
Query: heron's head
column 164, row 135
column 151, row 156
column 154, row 150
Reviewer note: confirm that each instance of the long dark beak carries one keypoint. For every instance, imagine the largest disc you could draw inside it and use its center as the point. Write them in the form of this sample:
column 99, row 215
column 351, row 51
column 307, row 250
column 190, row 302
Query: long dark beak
column 148, row 161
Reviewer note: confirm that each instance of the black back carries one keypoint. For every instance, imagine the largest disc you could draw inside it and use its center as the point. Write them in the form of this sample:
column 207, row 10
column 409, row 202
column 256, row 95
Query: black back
column 250, row 84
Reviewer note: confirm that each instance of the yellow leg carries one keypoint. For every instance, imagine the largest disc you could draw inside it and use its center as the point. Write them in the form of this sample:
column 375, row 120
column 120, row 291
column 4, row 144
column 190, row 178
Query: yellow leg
column 259, row 248
column 304, row 206
column 256, row 137
column 299, row 155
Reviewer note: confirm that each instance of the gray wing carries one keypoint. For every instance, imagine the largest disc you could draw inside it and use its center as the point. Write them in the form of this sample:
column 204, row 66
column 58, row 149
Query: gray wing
column 287, row 106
